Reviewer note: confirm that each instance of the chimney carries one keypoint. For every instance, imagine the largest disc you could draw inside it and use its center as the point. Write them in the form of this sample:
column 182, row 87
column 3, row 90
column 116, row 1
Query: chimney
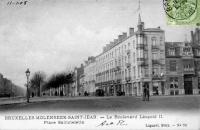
column 111, row 44
column 104, row 49
column 120, row 38
column 131, row 31
column 124, row 35
column 115, row 41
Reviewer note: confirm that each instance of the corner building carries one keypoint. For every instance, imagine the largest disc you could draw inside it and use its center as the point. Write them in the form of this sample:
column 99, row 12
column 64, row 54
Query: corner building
column 132, row 61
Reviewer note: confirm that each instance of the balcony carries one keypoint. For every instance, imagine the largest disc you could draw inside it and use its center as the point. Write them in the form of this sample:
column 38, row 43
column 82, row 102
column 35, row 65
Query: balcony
column 155, row 47
column 156, row 62
column 140, row 46
column 142, row 62
column 140, row 59
column 189, row 71
column 157, row 77
column 128, row 52
column 128, row 65
column 128, row 79
column 117, row 68
column 118, row 80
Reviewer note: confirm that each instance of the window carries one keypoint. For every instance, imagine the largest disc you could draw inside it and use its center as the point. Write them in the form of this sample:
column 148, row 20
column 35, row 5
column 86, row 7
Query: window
column 172, row 65
column 153, row 41
column 133, row 43
column 174, row 92
column 198, row 52
column 146, row 72
column 188, row 67
column 155, row 56
column 155, row 71
column 146, row 55
column 133, row 57
column 128, row 45
column 173, row 82
column 199, row 83
column 134, row 73
column 172, row 51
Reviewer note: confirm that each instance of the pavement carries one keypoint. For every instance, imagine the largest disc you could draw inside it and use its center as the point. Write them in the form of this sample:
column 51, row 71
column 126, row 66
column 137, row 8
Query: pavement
column 189, row 103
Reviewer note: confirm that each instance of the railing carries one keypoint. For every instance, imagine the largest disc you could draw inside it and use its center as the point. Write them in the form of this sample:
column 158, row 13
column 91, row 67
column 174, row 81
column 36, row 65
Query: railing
column 157, row 77
column 140, row 46
column 128, row 65
column 128, row 79
column 155, row 47
column 117, row 68
column 128, row 51
column 156, row 62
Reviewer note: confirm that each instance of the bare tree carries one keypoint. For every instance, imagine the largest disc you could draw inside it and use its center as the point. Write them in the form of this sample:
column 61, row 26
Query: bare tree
column 38, row 80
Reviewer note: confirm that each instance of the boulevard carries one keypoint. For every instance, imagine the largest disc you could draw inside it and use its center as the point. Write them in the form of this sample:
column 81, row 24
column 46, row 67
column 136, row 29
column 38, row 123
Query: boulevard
column 190, row 103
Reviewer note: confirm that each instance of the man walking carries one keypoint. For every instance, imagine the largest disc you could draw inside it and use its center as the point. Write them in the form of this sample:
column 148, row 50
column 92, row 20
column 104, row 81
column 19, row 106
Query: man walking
column 147, row 93
column 144, row 93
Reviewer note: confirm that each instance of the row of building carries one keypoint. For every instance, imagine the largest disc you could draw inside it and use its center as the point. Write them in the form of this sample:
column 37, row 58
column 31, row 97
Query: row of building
column 143, row 57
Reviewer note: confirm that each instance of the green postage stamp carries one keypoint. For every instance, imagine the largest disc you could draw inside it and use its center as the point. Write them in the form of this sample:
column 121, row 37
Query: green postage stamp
column 182, row 12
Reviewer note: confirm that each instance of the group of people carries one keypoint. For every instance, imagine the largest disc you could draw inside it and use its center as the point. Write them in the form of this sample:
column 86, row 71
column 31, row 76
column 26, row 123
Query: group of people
column 146, row 92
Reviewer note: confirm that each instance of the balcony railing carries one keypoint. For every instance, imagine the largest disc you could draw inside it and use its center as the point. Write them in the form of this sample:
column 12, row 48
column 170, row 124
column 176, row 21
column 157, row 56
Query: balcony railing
column 117, row 68
column 128, row 65
column 128, row 79
column 157, row 77
column 140, row 59
column 155, row 47
column 140, row 46
column 189, row 70
column 128, row 52
column 156, row 62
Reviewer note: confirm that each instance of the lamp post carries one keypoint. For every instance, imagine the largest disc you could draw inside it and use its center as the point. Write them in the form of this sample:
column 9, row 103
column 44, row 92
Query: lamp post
column 27, row 75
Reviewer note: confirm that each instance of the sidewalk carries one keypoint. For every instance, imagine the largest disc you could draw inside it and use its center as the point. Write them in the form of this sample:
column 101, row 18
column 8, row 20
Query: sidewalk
column 17, row 100
column 7, row 101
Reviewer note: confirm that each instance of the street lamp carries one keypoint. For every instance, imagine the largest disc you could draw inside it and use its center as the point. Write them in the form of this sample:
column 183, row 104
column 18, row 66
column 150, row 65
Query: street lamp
column 27, row 75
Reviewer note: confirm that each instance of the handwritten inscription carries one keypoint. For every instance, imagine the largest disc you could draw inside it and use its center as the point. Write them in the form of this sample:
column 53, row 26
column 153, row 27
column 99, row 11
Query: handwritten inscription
column 112, row 123
column 17, row 3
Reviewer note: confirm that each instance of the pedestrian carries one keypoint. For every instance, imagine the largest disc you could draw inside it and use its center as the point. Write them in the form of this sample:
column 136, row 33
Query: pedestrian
column 147, row 93
column 144, row 93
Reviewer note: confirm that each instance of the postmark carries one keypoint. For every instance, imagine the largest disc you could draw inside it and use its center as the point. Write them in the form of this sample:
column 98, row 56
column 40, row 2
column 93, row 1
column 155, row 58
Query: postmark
column 182, row 12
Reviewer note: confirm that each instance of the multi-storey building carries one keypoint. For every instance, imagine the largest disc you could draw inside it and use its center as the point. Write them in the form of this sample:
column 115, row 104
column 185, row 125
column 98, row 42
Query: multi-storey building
column 78, row 72
column 90, row 75
column 132, row 61
column 183, row 66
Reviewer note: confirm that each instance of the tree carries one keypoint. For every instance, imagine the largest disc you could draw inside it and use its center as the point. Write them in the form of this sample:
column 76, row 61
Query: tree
column 59, row 79
column 37, row 81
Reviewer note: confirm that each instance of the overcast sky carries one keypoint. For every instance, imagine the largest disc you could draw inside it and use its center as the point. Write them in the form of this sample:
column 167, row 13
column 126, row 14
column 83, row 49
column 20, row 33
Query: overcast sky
column 56, row 35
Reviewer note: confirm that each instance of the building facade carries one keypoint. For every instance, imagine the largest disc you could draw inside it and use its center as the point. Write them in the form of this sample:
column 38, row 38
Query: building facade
column 78, row 72
column 90, row 76
column 183, row 66
column 132, row 61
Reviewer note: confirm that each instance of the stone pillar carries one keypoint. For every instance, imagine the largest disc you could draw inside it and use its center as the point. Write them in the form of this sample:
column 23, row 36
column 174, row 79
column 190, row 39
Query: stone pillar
column 141, row 88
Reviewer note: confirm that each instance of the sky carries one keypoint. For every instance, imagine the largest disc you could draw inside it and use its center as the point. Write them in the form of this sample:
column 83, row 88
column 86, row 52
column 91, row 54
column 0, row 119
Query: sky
column 57, row 35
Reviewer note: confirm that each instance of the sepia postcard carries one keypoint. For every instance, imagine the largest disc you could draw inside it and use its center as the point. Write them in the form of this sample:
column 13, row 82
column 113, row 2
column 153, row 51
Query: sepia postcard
column 100, row 64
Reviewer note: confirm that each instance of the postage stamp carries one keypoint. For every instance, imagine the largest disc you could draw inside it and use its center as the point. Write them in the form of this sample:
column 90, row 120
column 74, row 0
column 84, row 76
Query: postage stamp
column 182, row 12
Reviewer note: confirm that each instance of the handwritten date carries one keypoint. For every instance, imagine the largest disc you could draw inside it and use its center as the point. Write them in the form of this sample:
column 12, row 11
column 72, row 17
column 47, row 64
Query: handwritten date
column 17, row 2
